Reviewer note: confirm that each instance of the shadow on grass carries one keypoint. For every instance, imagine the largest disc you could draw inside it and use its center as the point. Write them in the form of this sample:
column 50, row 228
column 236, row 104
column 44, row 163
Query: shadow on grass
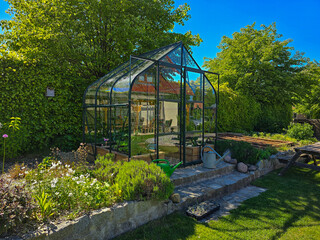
column 287, row 209
column 174, row 226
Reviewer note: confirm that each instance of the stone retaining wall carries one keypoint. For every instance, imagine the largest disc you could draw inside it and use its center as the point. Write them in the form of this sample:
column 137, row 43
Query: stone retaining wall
column 106, row 223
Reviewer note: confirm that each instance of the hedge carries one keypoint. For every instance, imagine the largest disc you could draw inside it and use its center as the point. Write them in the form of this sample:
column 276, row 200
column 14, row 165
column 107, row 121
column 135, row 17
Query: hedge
column 48, row 121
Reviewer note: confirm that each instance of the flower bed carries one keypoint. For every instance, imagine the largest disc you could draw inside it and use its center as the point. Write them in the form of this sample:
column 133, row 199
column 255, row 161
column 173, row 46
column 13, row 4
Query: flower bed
column 56, row 189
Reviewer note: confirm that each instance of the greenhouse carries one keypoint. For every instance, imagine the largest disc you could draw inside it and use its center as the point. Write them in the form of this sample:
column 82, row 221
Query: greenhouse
column 159, row 105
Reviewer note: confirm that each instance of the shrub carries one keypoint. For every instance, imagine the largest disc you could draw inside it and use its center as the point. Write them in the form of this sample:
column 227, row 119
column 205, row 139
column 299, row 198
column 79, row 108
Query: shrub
column 106, row 169
column 300, row 131
column 16, row 207
column 139, row 180
column 18, row 171
column 243, row 151
column 46, row 163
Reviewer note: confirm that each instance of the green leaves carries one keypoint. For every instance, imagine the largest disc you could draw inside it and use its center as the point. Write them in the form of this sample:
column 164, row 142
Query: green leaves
column 257, row 64
column 15, row 123
column 45, row 205
column 308, row 102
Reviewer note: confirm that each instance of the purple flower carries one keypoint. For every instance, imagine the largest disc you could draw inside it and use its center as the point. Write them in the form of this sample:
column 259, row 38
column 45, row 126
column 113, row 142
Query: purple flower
column 106, row 139
column 5, row 135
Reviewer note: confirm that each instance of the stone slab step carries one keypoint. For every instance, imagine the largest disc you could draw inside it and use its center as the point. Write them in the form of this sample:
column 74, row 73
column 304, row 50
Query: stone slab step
column 184, row 176
column 213, row 188
column 233, row 200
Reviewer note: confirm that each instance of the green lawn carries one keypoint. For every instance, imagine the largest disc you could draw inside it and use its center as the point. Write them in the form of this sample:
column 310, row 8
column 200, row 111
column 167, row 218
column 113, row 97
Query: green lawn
column 288, row 210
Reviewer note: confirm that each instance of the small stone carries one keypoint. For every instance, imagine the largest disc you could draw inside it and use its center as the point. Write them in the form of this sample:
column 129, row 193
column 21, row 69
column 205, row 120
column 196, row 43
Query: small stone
column 241, row 167
column 175, row 198
column 232, row 161
column 252, row 168
column 227, row 158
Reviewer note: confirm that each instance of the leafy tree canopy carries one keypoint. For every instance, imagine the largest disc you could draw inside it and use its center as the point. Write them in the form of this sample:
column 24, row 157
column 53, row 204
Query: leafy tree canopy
column 258, row 64
column 309, row 103
column 92, row 36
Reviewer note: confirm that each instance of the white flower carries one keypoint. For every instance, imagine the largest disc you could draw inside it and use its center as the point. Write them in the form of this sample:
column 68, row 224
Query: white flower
column 70, row 194
column 26, row 172
column 57, row 193
column 20, row 174
column 23, row 168
column 93, row 182
column 85, row 193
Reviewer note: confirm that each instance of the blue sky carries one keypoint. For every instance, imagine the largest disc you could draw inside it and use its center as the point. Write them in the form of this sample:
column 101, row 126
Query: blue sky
column 297, row 20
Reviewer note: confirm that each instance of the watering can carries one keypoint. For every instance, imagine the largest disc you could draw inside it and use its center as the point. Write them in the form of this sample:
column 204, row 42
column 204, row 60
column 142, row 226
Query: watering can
column 166, row 167
column 209, row 158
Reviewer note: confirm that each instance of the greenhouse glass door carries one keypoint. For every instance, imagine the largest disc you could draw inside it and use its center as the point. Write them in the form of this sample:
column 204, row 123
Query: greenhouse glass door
column 193, row 116
column 169, row 112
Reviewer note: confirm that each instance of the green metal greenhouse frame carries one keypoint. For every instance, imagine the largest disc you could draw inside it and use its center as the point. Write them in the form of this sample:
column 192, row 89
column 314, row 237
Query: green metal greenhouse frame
column 159, row 104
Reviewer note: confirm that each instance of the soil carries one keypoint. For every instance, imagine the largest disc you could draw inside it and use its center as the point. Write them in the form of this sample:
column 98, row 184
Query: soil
column 254, row 141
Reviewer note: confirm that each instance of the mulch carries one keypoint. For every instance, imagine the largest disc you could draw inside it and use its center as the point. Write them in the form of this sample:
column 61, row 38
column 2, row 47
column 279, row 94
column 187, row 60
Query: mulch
column 254, row 141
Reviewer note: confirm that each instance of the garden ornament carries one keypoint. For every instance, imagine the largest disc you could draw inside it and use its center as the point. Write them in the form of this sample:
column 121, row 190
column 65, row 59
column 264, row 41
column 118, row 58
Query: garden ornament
column 209, row 158
column 165, row 166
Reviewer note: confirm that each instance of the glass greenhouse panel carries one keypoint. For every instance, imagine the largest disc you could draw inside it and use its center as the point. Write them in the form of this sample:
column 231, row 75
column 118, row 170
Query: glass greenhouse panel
column 120, row 91
column 119, row 129
column 173, row 57
column 210, row 110
column 89, row 126
column 193, row 116
column 194, row 86
column 170, row 89
column 143, row 114
column 187, row 60
column 102, row 125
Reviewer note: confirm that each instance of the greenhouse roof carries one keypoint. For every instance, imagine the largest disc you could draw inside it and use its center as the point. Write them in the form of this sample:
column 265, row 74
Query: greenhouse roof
column 120, row 79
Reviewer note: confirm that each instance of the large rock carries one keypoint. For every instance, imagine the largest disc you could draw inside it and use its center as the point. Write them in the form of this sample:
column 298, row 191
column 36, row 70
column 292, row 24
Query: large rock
column 241, row 167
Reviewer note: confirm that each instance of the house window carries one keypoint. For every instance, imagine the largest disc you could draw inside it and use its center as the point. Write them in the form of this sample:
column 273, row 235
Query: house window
column 141, row 78
column 149, row 78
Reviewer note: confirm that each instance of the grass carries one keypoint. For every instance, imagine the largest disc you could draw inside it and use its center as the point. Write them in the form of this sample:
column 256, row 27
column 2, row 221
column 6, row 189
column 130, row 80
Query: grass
column 288, row 210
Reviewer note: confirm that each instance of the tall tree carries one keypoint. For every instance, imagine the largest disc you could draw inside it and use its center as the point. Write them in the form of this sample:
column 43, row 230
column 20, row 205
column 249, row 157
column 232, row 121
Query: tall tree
column 93, row 36
column 309, row 103
column 257, row 63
